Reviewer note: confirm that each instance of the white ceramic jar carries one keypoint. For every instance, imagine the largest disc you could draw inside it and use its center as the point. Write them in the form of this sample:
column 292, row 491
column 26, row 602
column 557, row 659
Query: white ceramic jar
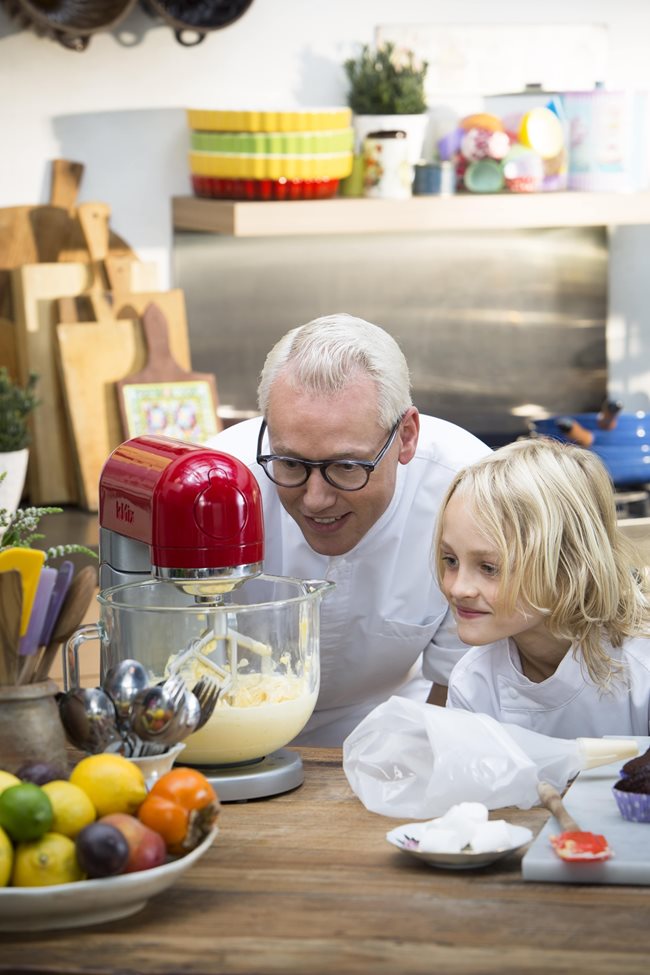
column 387, row 170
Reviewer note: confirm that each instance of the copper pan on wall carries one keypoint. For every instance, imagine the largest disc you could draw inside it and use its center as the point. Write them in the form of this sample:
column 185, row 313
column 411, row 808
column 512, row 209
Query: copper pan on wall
column 192, row 19
column 70, row 22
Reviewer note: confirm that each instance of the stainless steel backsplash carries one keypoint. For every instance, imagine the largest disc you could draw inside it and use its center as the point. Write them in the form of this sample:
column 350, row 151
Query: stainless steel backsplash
column 496, row 327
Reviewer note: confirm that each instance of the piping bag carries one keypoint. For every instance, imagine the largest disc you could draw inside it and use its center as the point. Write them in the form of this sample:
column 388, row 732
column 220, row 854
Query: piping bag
column 409, row 759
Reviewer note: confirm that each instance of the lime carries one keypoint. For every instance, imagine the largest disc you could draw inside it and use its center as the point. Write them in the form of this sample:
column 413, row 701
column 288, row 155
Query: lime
column 6, row 858
column 52, row 859
column 7, row 779
column 72, row 807
column 25, row 811
column 112, row 783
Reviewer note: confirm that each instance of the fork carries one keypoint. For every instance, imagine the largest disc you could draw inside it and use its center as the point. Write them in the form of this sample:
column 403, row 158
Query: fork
column 207, row 692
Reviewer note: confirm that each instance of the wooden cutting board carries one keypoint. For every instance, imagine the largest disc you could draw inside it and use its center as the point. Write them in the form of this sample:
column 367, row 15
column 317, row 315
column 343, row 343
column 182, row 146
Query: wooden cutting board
column 41, row 233
column 51, row 477
column 163, row 398
column 107, row 349
column 29, row 234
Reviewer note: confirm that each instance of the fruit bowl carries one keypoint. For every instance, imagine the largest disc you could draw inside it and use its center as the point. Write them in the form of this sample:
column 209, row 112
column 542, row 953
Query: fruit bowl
column 91, row 901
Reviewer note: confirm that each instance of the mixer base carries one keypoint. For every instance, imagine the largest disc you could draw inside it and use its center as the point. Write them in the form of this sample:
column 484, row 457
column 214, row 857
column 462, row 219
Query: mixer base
column 277, row 773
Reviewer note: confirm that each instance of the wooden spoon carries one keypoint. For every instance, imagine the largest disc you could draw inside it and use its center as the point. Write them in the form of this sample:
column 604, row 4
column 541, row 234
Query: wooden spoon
column 574, row 843
column 11, row 606
column 75, row 606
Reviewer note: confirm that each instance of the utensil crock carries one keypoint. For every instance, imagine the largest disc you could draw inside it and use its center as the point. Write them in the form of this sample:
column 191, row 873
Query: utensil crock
column 30, row 726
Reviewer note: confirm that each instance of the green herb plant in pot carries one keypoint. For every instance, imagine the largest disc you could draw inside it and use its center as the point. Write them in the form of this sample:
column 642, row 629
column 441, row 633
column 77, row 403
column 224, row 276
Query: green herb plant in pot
column 16, row 404
column 386, row 93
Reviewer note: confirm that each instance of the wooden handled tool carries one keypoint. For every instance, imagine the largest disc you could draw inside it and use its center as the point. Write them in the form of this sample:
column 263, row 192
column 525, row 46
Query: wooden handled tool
column 11, row 603
column 75, row 605
column 573, row 843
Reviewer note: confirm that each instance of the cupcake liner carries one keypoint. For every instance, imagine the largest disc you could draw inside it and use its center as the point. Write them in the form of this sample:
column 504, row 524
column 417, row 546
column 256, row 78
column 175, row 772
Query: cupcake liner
column 633, row 806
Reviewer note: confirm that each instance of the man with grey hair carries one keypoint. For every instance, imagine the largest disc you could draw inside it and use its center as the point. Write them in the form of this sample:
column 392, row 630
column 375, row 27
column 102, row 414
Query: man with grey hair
column 352, row 477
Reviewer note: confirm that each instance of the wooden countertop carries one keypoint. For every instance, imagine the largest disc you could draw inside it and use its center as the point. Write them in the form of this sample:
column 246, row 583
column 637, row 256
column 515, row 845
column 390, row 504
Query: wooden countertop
column 306, row 883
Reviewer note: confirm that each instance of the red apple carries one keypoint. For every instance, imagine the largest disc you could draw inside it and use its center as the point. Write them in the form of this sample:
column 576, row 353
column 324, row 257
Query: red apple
column 147, row 848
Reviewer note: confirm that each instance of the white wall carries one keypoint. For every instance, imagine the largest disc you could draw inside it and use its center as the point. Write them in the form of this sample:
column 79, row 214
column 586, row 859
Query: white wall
column 120, row 110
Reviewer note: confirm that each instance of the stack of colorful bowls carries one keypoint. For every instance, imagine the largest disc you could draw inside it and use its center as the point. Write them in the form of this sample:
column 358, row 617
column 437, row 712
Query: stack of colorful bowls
column 250, row 155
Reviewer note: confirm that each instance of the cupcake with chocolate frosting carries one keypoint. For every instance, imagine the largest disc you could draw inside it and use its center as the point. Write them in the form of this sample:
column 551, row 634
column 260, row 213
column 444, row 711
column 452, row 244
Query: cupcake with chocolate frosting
column 637, row 765
column 632, row 791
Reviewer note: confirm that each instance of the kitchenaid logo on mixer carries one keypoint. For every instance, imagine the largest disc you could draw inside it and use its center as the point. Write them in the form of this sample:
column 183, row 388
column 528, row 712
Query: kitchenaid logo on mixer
column 124, row 512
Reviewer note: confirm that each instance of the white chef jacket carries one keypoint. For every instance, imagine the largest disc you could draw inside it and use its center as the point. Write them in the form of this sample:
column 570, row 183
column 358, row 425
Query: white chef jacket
column 386, row 609
column 566, row 705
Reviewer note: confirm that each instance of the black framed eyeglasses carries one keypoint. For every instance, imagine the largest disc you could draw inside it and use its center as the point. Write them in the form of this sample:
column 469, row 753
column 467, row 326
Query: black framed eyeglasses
column 346, row 475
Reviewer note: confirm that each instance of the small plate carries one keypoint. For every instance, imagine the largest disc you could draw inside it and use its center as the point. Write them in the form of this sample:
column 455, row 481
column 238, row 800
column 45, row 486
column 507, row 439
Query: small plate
column 91, row 901
column 406, row 838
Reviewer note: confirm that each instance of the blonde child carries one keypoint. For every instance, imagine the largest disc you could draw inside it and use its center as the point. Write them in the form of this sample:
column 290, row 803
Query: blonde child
column 531, row 560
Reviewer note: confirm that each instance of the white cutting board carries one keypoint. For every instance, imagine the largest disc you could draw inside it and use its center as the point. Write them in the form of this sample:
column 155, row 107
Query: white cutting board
column 591, row 803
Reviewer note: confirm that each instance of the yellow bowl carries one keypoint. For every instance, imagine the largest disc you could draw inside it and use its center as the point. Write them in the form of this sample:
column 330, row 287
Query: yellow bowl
column 334, row 165
column 307, row 120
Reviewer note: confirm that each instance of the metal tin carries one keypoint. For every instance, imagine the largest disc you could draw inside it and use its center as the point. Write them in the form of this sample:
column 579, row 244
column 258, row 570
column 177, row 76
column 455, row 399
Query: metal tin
column 434, row 179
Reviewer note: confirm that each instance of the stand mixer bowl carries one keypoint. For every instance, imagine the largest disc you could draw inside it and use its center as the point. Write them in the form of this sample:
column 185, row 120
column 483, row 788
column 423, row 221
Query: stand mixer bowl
column 261, row 641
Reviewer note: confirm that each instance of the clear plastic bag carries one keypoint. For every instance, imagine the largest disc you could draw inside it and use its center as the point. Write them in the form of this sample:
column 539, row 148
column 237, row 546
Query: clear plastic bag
column 415, row 760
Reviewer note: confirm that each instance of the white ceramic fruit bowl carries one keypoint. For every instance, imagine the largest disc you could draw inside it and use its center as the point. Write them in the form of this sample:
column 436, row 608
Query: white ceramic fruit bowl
column 91, row 901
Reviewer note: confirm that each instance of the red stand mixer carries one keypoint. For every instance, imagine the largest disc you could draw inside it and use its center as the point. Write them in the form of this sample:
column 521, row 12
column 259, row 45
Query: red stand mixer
column 182, row 590
column 180, row 512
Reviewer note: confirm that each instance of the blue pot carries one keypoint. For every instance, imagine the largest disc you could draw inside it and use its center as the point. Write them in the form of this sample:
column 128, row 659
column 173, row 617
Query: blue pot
column 625, row 450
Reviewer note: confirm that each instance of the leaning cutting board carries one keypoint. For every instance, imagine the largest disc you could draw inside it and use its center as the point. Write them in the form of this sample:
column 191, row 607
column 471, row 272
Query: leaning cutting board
column 51, row 477
column 107, row 350
column 32, row 234
column 41, row 233
column 591, row 803
column 163, row 398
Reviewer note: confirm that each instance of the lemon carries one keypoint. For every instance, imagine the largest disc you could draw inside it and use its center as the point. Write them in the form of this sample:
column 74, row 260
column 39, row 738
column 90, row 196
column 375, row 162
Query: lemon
column 7, row 779
column 25, row 811
column 112, row 783
column 73, row 809
column 6, row 858
column 50, row 860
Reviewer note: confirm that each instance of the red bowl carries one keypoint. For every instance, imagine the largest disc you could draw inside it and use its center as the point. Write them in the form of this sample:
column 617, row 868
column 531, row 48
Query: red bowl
column 218, row 188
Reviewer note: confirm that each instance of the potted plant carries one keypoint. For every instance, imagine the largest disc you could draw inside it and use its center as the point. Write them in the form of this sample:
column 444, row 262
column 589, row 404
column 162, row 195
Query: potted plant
column 19, row 529
column 386, row 93
column 16, row 404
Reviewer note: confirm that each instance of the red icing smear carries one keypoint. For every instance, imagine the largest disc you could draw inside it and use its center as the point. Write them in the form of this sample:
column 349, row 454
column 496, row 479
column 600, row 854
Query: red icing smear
column 581, row 846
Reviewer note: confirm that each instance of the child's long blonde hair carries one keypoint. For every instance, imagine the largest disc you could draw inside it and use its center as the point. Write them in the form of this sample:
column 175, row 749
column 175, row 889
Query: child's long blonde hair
column 548, row 508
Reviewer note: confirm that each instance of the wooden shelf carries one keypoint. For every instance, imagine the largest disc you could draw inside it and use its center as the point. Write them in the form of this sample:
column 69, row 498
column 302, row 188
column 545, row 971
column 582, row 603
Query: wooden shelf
column 462, row 212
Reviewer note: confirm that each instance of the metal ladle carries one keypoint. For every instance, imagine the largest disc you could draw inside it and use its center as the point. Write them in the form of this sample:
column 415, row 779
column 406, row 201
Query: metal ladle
column 157, row 711
column 89, row 718
column 122, row 683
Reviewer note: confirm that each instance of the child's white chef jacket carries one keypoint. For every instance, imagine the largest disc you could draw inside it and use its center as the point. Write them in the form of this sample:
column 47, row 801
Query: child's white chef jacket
column 568, row 704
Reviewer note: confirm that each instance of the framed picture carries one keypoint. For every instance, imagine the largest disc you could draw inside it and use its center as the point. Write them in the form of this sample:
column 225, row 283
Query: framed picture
column 183, row 410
